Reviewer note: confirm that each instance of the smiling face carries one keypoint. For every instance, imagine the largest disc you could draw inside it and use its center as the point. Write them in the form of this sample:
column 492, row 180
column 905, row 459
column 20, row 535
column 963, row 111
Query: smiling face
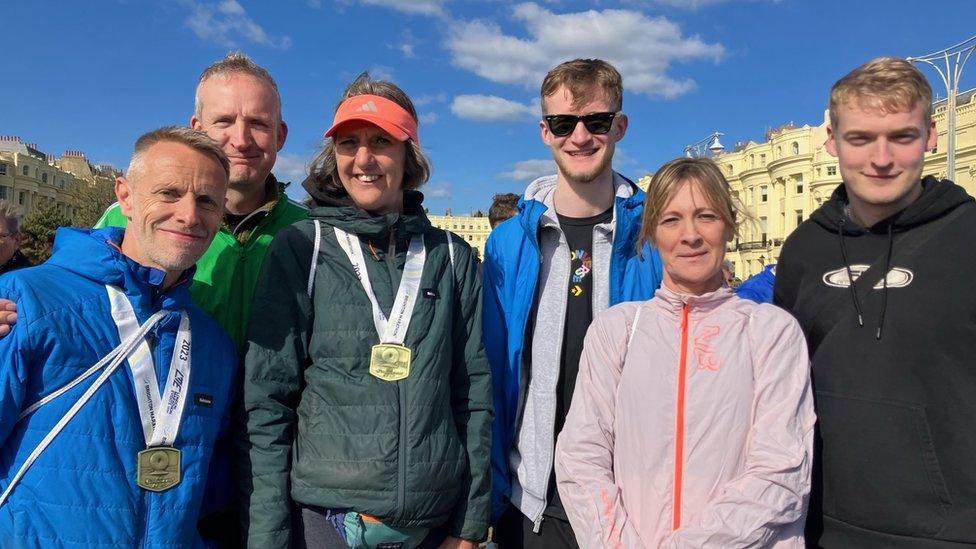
column 242, row 114
column 582, row 157
column 880, row 155
column 370, row 164
column 691, row 236
column 174, row 204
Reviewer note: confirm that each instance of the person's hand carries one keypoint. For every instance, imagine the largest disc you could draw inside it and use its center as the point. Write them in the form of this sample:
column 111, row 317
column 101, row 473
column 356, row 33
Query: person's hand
column 8, row 315
column 452, row 542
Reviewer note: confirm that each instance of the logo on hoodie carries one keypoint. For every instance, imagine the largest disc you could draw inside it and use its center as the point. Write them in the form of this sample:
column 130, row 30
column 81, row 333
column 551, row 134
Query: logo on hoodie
column 897, row 277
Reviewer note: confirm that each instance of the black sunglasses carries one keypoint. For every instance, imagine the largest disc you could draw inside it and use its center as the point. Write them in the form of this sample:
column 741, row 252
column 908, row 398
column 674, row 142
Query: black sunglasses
column 597, row 123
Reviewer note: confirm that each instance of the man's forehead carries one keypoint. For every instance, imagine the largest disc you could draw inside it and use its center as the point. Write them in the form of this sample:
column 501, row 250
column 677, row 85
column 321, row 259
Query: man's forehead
column 237, row 87
column 593, row 93
column 872, row 106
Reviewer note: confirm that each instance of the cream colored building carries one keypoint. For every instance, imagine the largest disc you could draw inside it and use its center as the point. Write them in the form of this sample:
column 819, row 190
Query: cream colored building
column 782, row 180
column 28, row 175
column 474, row 230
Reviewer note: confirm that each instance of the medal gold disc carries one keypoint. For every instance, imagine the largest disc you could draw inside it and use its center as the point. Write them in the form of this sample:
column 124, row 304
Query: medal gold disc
column 390, row 362
column 158, row 468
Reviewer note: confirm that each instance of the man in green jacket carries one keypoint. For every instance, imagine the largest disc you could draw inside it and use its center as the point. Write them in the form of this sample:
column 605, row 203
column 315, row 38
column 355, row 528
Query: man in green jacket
column 238, row 105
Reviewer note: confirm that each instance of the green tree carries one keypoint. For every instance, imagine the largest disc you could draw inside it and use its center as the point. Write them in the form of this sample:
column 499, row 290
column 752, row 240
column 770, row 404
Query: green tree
column 91, row 202
column 39, row 227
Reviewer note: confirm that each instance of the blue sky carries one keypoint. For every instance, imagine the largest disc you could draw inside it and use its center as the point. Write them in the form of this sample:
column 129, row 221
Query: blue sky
column 95, row 75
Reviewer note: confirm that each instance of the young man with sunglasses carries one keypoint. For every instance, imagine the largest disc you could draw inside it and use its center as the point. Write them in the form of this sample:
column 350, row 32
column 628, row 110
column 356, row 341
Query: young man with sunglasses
column 568, row 254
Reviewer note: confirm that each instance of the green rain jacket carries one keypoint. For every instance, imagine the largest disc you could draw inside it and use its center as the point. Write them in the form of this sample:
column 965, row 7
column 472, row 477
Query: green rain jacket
column 228, row 271
column 319, row 429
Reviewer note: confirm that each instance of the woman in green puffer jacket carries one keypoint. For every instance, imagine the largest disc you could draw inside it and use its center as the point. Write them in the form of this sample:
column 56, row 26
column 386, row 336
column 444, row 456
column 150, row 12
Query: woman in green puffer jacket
column 366, row 408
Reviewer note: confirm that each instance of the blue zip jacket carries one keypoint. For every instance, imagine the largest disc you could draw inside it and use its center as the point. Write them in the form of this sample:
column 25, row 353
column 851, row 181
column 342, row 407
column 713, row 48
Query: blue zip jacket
column 759, row 287
column 82, row 492
column 511, row 277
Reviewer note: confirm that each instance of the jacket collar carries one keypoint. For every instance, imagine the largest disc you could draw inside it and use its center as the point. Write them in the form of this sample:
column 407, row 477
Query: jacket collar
column 341, row 212
column 673, row 302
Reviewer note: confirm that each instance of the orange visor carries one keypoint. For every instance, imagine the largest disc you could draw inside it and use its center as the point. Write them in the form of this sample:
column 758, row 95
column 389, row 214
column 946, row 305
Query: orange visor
column 379, row 111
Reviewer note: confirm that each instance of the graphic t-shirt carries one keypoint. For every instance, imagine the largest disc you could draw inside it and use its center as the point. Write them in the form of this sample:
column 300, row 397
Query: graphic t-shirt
column 579, row 314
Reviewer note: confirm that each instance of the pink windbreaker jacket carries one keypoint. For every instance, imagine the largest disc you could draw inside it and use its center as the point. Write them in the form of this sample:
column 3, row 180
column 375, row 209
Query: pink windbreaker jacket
column 700, row 434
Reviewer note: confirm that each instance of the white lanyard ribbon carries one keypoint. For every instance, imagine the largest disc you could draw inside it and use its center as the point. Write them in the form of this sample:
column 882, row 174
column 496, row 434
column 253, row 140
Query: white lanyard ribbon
column 406, row 296
column 130, row 344
column 160, row 414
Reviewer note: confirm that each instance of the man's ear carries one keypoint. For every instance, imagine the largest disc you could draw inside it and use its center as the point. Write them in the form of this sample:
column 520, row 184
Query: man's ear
column 933, row 137
column 282, row 134
column 621, row 125
column 123, row 193
column 544, row 132
column 831, row 143
column 195, row 123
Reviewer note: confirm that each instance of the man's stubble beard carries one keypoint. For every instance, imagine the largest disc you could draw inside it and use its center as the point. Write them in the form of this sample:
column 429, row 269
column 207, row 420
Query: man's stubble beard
column 585, row 177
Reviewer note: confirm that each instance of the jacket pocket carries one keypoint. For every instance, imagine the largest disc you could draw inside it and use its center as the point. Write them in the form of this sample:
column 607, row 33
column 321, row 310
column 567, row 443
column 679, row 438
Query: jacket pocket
column 880, row 469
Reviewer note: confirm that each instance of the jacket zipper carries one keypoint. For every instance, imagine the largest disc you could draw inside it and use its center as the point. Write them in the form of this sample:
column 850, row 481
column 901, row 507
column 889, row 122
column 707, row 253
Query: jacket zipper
column 402, row 396
column 679, row 427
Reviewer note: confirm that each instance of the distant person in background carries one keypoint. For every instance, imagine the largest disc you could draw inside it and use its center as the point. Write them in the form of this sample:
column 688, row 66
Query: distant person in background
column 11, row 238
column 503, row 206
column 759, row 287
column 728, row 272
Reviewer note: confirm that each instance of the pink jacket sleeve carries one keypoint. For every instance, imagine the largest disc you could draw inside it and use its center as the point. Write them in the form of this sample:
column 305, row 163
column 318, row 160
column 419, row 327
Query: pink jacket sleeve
column 767, row 503
column 584, row 452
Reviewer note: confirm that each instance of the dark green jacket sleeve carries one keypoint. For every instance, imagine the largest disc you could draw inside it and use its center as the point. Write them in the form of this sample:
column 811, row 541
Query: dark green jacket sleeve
column 471, row 396
column 277, row 354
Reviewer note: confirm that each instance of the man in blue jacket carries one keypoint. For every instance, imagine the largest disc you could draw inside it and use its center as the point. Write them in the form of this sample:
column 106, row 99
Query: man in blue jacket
column 567, row 255
column 113, row 385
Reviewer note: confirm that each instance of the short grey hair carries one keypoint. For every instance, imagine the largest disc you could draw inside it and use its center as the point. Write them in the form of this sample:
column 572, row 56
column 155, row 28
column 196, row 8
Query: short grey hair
column 194, row 139
column 235, row 62
column 11, row 216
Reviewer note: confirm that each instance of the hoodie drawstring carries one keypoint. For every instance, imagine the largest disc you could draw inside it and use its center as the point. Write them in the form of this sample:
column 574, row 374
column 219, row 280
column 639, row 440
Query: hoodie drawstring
column 850, row 275
column 884, row 282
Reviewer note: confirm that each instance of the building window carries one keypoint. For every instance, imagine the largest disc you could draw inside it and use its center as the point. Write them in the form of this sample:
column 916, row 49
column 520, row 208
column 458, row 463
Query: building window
column 796, row 148
column 831, row 170
column 752, row 161
column 762, row 160
column 799, row 217
column 779, row 152
column 21, row 198
column 799, row 183
column 763, row 193
column 44, row 177
column 3, row 192
column 25, row 170
column 731, row 170
column 3, row 169
column 764, row 226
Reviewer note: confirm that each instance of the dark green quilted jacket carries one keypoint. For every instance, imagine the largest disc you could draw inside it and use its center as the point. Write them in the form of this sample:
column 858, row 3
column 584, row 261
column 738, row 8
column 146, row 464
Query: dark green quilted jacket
column 318, row 429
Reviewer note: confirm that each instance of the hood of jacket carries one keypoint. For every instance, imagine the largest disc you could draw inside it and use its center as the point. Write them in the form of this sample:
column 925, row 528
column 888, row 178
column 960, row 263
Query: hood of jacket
column 539, row 200
column 95, row 254
column 338, row 210
column 937, row 199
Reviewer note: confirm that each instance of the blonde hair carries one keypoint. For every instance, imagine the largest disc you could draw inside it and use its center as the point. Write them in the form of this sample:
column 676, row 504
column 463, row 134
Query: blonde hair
column 235, row 62
column 323, row 170
column 891, row 83
column 583, row 77
column 671, row 178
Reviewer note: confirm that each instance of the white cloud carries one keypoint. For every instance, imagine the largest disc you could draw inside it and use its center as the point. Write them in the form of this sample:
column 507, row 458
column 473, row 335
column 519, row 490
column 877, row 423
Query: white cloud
column 407, row 50
column 227, row 24
column 413, row 7
column 488, row 108
column 527, row 170
column 316, row 4
column 428, row 117
column 427, row 99
column 441, row 190
column 643, row 48
column 381, row 72
column 291, row 167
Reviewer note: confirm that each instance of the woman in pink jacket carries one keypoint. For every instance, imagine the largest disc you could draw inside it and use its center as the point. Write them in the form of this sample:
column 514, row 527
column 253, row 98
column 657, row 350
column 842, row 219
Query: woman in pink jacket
column 692, row 420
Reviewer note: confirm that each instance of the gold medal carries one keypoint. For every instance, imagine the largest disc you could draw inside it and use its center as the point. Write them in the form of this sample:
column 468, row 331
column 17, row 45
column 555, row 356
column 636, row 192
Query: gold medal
column 158, row 468
column 389, row 362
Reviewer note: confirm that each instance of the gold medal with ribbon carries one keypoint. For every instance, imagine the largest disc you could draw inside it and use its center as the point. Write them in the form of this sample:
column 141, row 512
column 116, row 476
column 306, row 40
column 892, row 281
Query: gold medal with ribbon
column 158, row 468
column 390, row 362
column 389, row 359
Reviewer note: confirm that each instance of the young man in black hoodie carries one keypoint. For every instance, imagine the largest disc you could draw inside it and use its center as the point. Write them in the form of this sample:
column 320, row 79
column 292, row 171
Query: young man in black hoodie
column 892, row 352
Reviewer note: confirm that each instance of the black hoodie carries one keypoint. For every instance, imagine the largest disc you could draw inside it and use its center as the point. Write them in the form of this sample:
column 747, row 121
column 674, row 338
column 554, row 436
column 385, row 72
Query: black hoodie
column 894, row 369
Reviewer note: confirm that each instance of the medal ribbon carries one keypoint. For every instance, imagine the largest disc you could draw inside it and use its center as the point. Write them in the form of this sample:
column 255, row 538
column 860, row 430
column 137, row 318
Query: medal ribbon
column 394, row 329
column 160, row 414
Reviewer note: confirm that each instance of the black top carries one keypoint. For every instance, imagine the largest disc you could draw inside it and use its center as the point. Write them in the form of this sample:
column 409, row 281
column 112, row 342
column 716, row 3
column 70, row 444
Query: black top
column 579, row 314
column 16, row 261
column 893, row 463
